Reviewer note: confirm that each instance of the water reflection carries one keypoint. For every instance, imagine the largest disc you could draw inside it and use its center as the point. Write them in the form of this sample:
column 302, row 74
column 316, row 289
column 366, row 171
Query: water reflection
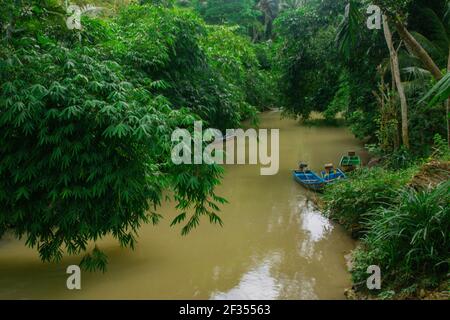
column 315, row 225
column 266, row 280
column 256, row 284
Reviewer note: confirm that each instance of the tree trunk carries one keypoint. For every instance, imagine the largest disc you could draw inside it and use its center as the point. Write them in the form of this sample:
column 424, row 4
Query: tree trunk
column 447, row 105
column 428, row 62
column 418, row 50
column 398, row 82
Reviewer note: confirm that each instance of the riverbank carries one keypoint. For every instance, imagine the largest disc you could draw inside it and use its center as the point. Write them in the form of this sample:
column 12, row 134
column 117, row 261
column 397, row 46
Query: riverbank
column 402, row 220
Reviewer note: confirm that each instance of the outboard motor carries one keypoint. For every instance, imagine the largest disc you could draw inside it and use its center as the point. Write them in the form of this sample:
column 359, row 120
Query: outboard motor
column 329, row 168
column 303, row 166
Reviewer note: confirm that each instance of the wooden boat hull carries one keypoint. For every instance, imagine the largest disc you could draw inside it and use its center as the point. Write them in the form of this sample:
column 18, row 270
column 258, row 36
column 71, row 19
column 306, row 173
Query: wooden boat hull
column 350, row 163
column 332, row 178
column 309, row 180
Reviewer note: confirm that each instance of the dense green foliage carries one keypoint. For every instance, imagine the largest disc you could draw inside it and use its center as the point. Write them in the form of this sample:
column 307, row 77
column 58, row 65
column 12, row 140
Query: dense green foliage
column 86, row 116
column 174, row 55
column 239, row 65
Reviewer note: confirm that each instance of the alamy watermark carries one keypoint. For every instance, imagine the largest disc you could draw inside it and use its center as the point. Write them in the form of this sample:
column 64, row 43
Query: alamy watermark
column 190, row 149
column 75, row 12
column 374, row 281
column 374, row 19
column 74, row 280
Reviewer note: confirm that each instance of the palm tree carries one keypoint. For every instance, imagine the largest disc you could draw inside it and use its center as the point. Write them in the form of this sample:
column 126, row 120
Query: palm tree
column 438, row 45
column 392, row 10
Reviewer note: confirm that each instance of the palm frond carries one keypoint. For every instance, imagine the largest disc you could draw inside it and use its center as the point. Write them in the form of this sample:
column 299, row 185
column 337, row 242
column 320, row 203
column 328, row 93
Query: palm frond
column 437, row 31
column 434, row 50
column 447, row 17
column 414, row 86
column 349, row 29
column 417, row 73
column 406, row 59
column 440, row 92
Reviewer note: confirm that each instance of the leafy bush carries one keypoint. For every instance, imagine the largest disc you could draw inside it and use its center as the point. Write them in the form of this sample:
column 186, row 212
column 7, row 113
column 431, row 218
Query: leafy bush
column 409, row 239
column 361, row 123
column 400, row 159
column 367, row 190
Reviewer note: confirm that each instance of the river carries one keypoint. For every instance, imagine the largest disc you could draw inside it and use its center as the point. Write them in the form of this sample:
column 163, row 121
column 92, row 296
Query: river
column 274, row 244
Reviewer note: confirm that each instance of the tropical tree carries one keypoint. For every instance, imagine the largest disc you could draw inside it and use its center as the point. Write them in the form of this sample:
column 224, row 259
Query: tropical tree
column 432, row 31
column 395, row 67
column 270, row 9
column 438, row 44
column 397, row 12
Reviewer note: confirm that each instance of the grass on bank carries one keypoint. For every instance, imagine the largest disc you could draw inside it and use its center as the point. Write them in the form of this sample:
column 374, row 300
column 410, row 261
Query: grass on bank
column 403, row 230
column 409, row 240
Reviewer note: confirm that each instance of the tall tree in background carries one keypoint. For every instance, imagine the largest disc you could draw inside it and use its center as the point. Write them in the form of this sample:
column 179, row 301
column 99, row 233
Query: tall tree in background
column 395, row 67
column 346, row 40
column 270, row 9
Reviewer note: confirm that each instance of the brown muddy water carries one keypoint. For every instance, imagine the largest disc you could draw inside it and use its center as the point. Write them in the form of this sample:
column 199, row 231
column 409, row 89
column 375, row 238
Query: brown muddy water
column 274, row 244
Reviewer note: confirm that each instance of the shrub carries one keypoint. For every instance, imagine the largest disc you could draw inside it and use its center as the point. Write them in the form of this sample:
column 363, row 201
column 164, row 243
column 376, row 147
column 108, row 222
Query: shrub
column 84, row 152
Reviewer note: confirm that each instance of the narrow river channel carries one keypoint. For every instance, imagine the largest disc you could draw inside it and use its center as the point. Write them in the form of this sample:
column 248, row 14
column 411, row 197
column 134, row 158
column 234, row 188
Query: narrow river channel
column 274, row 243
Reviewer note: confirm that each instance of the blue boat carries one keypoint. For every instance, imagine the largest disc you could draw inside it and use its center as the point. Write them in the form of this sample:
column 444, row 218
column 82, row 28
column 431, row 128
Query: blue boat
column 333, row 175
column 309, row 179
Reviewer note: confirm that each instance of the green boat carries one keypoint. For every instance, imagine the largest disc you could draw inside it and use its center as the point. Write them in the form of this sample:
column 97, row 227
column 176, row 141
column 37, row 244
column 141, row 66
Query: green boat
column 350, row 162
